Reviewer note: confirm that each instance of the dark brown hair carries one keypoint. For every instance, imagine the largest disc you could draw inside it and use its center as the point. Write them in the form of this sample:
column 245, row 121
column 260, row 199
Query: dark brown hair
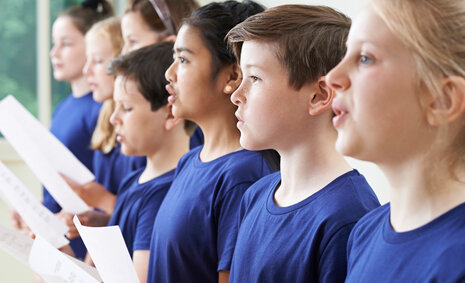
column 86, row 15
column 147, row 67
column 309, row 40
column 179, row 9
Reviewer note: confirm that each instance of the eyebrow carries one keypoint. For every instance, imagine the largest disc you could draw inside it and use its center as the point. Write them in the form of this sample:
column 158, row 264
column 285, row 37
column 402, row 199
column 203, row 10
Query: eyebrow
column 183, row 49
column 248, row 66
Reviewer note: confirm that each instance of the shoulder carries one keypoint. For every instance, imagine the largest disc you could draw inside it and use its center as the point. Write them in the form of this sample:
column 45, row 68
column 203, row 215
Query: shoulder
column 348, row 198
column 371, row 221
column 246, row 165
column 261, row 188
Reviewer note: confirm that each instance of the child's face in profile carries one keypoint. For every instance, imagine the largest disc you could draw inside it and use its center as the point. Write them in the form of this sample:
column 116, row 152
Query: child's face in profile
column 99, row 53
column 136, row 33
column 68, row 54
column 192, row 92
column 139, row 129
column 378, row 114
column 270, row 112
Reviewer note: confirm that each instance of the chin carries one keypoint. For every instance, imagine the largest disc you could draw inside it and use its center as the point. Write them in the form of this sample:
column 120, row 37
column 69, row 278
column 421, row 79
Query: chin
column 249, row 144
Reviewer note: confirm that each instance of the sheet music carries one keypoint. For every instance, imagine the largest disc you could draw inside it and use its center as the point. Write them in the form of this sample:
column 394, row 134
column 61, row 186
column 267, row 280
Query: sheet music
column 108, row 250
column 15, row 244
column 49, row 262
column 39, row 219
column 44, row 154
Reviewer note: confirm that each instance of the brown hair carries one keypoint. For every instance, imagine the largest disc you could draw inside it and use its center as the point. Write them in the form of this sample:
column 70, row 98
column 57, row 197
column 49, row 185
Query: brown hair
column 178, row 9
column 90, row 12
column 434, row 30
column 309, row 40
column 139, row 66
column 104, row 135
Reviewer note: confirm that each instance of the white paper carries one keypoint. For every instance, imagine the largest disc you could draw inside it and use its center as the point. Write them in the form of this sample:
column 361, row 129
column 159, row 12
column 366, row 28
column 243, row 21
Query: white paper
column 50, row 264
column 15, row 244
column 108, row 250
column 39, row 219
column 44, row 154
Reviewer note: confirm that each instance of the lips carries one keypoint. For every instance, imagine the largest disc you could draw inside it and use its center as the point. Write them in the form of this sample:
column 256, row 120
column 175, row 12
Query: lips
column 341, row 113
column 240, row 121
column 170, row 90
column 119, row 137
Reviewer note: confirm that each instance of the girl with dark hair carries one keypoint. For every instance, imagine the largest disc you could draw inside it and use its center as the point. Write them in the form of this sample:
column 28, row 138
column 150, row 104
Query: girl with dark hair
column 147, row 22
column 195, row 228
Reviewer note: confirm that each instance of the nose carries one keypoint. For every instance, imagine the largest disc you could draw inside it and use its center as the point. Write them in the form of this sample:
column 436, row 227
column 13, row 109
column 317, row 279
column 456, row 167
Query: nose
column 87, row 68
column 338, row 78
column 170, row 74
column 53, row 51
column 237, row 97
column 125, row 49
column 114, row 119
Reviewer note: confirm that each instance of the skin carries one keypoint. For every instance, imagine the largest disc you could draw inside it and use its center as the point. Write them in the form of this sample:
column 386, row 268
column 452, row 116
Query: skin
column 136, row 33
column 99, row 52
column 195, row 97
column 380, row 119
column 299, row 129
column 68, row 55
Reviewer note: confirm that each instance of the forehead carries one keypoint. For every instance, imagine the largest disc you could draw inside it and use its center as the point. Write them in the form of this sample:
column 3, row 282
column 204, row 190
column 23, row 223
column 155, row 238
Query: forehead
column 259, row 54
column 369, row 27
column 64, row 27
column 133, row 22
column 190, row 38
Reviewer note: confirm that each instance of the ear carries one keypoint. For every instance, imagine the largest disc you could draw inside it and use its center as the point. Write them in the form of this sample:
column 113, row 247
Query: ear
column 321, row 97
column 171, row 122
column 450, row 104
column 170, row 38
column 234, row 79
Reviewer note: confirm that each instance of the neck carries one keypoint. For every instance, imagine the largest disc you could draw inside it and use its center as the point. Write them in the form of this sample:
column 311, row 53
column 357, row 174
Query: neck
column 80, row 87
column 308, row 167
column 166, row 159
column 420, row 194
column 221, row 136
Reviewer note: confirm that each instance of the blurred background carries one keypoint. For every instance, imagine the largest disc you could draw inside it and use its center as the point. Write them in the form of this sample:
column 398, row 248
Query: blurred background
column 25, row 72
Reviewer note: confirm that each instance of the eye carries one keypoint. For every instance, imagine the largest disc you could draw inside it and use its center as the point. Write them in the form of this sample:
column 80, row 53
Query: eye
column 127, row 109
column 182, row 60
column 365, row 60
column 254, row 78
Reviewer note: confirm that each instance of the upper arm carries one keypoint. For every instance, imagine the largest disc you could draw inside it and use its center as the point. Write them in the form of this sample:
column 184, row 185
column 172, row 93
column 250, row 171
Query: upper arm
column 332, row 265
column 140, row 259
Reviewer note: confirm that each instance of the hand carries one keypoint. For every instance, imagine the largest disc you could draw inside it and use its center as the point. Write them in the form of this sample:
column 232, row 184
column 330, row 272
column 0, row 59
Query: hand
column 16, row 219
column 93, row 194
column 67, row 218
column 94, row 218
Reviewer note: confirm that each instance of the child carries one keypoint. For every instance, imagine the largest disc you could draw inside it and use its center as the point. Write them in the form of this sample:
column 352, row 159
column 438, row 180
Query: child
column 75, row 117
column 103, row 43
column 400, row 103
column 141, row 26
column 294, row 224
column 195, row 229
column 145, row 127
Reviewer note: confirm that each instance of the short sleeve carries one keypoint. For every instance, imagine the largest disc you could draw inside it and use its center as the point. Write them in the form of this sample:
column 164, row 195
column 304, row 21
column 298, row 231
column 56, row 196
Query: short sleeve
column 146, row 219
column 227, row 215
column 333, row 261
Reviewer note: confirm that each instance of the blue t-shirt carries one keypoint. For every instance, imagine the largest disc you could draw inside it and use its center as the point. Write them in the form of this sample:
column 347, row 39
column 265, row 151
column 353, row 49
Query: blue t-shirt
column 196, row 227
column 434, row 252
column 73, row 123
column 137, row 206
column 196, row 138
column 304, row 242
column 110, row 169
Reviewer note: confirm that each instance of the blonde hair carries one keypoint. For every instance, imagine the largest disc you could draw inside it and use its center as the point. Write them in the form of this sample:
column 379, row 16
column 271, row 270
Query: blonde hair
column 104, row 136
column 434, row 30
